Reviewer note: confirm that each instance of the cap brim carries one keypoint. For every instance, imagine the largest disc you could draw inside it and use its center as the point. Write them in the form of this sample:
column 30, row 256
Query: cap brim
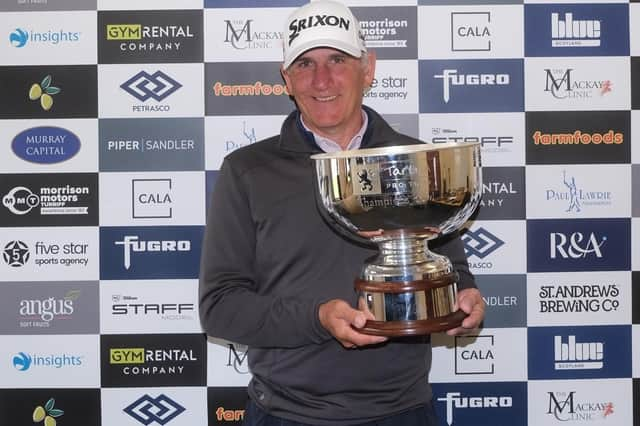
column 332, row 43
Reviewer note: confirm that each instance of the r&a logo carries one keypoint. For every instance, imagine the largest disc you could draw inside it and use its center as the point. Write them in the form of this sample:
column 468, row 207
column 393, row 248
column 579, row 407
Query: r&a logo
column 576, row 246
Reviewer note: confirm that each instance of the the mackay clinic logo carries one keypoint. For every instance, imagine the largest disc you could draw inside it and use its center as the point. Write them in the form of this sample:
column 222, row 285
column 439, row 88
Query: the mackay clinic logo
column 166, row 359
column 571, row 406
column 59, row 199
column 574, row 196
column 471, row 31
column 578, row 245
column 24, row 37
column 472, row 85
column 143, row 37
column 156, row 86
column 465, row 403
column 45, row 144
column 152, row 198
column 475, row 354
column 148, row 252
column 562, row 83
column 23, row 361
column 237, row 358
column 243, row 34
column 149, row 410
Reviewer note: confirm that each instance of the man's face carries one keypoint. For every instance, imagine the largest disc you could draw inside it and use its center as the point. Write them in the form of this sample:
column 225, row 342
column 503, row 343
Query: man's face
column 328, row 86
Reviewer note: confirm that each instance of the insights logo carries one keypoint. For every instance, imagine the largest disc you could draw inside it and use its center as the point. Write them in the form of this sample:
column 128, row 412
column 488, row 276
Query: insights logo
column 23, row 361
column 20, row 37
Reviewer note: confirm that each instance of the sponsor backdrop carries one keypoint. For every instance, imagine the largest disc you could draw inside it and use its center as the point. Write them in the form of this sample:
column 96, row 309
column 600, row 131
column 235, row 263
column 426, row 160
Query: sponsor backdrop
column 116, row 116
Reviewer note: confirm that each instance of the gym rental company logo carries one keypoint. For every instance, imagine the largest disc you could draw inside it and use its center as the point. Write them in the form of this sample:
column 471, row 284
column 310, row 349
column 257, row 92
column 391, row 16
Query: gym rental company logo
column 22, row 37
column 576, row 30
column 472, row 85
column 502, row 193
column 150, row 37
column 471, row 31
column 45, row 145
column 581, row 352
column 166, row 359
column 148, row 410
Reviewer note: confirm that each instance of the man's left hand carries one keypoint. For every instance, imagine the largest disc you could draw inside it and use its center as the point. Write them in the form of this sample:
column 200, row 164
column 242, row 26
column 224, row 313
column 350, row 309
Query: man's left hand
column 469, row 301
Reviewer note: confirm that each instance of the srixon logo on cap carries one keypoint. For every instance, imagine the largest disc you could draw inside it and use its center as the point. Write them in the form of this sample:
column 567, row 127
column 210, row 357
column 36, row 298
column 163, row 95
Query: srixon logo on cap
column 298, row 25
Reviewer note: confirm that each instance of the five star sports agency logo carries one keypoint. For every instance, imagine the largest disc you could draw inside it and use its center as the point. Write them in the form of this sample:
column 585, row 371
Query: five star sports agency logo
column 15, row 253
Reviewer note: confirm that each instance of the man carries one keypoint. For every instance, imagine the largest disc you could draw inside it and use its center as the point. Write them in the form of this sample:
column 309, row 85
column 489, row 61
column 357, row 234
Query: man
column 276, row 277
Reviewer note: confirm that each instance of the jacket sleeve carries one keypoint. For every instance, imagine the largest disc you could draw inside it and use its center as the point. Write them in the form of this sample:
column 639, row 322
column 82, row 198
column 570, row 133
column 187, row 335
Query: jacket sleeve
column 232, row 306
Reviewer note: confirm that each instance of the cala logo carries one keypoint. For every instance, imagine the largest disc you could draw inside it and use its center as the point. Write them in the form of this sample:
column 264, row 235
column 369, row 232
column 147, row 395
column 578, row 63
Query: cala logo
column 45, row 145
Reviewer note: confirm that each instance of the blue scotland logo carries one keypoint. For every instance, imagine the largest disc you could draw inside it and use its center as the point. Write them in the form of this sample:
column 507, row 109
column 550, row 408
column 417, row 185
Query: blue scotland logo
column 18, row 38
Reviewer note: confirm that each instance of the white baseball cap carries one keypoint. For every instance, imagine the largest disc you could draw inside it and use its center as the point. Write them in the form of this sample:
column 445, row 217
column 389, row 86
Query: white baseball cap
column 322, row 23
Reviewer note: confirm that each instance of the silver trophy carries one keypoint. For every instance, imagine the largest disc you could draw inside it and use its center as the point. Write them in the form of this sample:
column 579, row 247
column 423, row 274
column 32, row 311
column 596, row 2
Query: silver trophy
column 401, row 197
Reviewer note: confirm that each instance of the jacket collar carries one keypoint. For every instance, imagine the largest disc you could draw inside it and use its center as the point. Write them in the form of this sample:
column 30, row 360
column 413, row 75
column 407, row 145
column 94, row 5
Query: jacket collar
column 294, row 137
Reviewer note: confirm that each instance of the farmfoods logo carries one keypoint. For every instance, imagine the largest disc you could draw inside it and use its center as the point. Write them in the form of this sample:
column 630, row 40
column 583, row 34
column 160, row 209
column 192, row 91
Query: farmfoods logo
column 256, row 89
column 23, row 361
column 48, row 413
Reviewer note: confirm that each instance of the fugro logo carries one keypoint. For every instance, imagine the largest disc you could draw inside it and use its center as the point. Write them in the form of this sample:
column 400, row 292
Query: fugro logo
column 148, row 252
column 45, row 145
column 298, row 25
column 451, row 77
column 131, row 243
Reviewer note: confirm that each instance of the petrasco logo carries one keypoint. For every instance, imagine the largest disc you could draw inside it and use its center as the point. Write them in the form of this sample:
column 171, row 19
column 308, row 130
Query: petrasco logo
column 148, row 410
column 480, row 243
column 45, row 145
column 144, row 86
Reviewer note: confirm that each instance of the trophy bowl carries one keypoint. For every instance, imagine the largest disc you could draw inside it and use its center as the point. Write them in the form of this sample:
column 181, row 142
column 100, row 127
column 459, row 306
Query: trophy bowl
column 400, row 197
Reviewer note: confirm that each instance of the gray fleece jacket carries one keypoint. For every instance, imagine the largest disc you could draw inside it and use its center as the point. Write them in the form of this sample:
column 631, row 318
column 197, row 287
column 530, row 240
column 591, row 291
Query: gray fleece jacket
column 270, row 259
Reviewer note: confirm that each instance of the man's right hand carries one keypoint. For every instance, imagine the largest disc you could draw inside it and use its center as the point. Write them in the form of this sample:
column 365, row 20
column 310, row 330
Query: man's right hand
column 343, row 322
